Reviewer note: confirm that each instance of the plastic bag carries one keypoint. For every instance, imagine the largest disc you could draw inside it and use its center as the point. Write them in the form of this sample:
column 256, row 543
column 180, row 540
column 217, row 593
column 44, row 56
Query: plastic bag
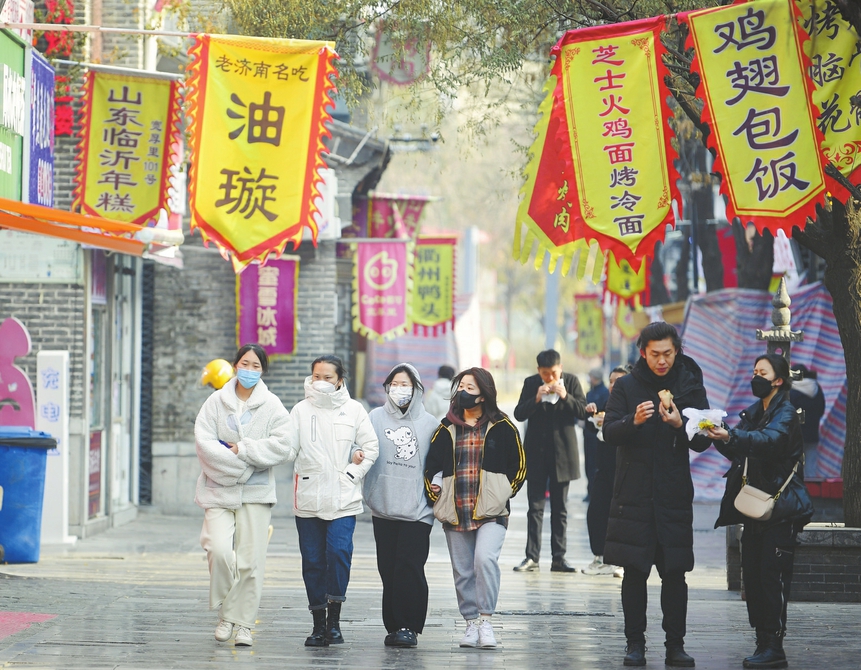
column 700, row 420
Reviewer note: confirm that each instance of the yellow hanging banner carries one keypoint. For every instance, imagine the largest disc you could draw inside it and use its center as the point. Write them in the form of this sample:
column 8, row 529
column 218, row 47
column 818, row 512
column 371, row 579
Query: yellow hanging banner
column 589, row 319
column 622, row 280
column 432, row 300
column 130, row 140
column 258, row 110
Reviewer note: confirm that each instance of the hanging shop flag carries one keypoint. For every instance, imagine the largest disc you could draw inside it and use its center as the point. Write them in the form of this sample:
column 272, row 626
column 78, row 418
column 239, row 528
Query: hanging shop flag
column 129, row 126
column 835, row 70
column 383, row 215
column 432, row 298
column 589, row 322
column 39, row 153
column 382, row 281
column 266, row 306
column 400, row 65
column 758, row 106
column 258, row 108
column 602, row 166
column 623, row 281
column 625, row 321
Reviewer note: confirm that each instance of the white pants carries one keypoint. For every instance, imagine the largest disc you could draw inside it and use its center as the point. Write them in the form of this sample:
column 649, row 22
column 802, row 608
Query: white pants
column 475, row 564
column 235, row 542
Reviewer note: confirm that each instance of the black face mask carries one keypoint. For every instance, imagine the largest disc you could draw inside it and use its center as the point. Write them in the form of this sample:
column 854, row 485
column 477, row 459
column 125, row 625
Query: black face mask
column 465, row 400
column 760, row 386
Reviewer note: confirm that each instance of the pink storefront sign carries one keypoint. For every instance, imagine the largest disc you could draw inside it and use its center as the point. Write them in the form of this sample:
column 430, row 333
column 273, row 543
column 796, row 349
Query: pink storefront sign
column 266, row 306
column 382, row 281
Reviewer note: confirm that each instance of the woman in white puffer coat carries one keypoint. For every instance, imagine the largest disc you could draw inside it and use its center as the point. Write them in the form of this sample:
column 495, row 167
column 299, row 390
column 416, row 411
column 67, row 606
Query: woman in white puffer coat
column 241, row 433
column 337, row 447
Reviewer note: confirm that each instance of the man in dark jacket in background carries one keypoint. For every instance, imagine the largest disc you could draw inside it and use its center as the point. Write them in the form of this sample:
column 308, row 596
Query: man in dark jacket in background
column 651, row 515
column 551, row 401
column 596, row 399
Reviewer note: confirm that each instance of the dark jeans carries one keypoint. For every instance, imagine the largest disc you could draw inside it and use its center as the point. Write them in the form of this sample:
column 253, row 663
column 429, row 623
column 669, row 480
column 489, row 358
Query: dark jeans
column 674, row 602
column 600, row 496
column 767, row 558
column 402, row 551
column 327, row 552
column 536, row 494
column 591, row 445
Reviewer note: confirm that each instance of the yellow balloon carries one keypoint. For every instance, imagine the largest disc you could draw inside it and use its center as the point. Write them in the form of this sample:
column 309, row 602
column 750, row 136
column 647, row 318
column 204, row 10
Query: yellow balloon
column 216, row 373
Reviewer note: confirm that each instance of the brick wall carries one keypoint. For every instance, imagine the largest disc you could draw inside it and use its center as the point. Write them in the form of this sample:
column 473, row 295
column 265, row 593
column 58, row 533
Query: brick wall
column 827, row 564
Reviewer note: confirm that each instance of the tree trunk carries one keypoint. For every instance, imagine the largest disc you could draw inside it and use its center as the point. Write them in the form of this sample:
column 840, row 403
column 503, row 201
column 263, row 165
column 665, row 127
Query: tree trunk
column 836, row 236
column 754, row 264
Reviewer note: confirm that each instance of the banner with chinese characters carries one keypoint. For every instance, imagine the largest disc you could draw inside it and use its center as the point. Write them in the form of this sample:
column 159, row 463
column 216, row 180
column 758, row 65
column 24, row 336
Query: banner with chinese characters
column 258, row 109
column 625, row 321
column 382, row 282
column 266, row 306
column 602, row 164
column 398, row 64
column 39, row 154
column 758, row 105
column 129, row 126
column 589, row 323
column 835, row 70
column 623, row 281
column 432, row 297
column 384, row 215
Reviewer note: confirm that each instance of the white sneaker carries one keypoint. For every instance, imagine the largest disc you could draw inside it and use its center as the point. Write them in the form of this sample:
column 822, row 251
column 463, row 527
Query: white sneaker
column 243, row 637
column 599, row 567
column 223, row 631
column 486, row 639
column 619, row 572
column 470, row 638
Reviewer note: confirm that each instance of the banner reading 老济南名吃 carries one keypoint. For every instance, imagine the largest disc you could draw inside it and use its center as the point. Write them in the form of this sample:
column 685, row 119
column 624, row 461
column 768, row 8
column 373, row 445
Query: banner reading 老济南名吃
column 258, row 109
column 129, row 132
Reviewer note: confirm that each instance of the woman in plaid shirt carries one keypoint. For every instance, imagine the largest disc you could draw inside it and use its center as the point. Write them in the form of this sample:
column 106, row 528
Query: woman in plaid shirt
column 475, row 464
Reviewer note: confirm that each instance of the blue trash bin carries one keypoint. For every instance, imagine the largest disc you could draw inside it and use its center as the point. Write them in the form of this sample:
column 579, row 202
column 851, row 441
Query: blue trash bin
column 23, row 453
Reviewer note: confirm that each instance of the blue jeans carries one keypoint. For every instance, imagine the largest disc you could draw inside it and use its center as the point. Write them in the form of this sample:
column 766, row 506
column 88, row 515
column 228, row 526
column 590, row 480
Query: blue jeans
column 327, row 552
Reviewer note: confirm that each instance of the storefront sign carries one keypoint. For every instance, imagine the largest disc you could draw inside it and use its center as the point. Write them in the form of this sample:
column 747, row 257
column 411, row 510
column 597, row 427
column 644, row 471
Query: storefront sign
column 39, row 156
column 128, row 131
column 382, row 281
column 13, row 115
column 258, row 109
column 266, row 306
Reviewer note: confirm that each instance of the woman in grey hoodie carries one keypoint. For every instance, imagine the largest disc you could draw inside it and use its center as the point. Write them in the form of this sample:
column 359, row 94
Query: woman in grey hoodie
column 402, row 517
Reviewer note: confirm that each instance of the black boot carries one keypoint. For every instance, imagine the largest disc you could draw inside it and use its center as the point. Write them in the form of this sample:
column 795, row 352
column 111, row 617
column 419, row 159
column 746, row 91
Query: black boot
column 333, row 624
column 760, row 643
column 636, row 653
column 317, row 638
column 771, row 656
column 677, row 658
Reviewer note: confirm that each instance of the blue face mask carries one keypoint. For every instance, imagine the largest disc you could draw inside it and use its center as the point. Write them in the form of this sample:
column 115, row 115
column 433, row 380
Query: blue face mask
column 248, row 378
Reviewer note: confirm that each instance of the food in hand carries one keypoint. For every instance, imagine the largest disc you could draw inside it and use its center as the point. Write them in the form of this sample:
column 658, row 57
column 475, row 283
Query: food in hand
column 666, row 398
column 705, row 424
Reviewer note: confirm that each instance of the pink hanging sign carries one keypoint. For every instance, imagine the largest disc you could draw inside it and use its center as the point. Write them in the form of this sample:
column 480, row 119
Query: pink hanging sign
column 17, row 402
column 382, row 280
column 266, row 306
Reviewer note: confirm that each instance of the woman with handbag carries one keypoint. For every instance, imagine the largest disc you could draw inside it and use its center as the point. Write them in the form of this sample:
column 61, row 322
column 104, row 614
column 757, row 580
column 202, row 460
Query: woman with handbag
column 766, row 492
column 475, row 464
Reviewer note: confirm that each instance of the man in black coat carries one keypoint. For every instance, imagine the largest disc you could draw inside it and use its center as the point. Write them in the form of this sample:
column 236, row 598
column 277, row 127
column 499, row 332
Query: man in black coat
column 651, row 515
column 551, row 401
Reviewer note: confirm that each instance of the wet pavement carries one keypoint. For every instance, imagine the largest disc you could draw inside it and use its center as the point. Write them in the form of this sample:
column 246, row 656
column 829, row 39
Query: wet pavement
column 136, row 597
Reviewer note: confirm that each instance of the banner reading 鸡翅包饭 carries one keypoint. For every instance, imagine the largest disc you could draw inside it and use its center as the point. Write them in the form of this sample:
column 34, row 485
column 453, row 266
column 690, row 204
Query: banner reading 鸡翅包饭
column 258, row 109
column 130, row 137
column 602, row 165
column 382, row 282
column 758, row 105
column 432, row 297
column 266, row 306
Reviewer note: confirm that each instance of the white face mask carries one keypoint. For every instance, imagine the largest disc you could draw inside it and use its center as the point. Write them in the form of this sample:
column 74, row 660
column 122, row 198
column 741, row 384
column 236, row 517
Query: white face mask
column 401, row 395
column 323, row 387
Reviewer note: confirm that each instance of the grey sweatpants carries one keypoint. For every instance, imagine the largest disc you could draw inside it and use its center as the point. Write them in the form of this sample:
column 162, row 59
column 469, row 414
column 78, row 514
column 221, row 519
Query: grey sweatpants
column 475, row 564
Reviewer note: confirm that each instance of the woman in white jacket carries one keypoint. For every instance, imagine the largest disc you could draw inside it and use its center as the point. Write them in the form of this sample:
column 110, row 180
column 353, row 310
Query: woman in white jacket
column 337, row 447
column 241, row 432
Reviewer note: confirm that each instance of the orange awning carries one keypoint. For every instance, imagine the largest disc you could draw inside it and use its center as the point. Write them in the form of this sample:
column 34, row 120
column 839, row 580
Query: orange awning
column 94, row 231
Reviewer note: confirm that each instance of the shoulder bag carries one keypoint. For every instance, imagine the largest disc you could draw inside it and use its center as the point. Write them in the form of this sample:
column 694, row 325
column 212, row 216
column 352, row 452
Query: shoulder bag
column 757, row 504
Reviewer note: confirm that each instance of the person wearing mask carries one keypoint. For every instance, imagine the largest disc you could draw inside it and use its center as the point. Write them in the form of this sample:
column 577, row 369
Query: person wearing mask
column 475, row 464
column 596, row 399
column 241, row 433
column 651, row 513
column 767, row 452
column 598, row 512
column 402, row 517
column 328, row 475
column 552, row 402
column 806, row 394
column 438, row 398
